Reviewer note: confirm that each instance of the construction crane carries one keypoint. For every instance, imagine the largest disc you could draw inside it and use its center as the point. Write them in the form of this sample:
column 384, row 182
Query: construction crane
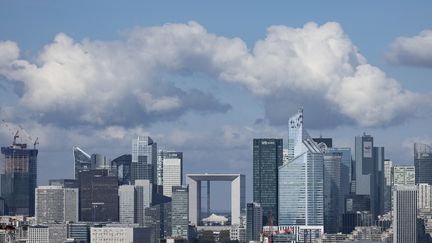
column 16, row 134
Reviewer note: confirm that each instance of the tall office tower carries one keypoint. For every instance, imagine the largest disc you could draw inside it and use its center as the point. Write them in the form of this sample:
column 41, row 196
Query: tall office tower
column 423, row 163
column 158, row 217
column 345, row 173
column 296, row 135
column 369, row 162
column 267, row 157
column 405, row 214
column 98, row 196
column 82, row 161
column 403, row 175
column 55, row 204
column 144, row 159
column 19, row 178
column 424, row 196
column 144, row 196
column 301, row 188
column 388, row 164
column 171, row 173
column 127, row 203
column 180, row 212
column 332, row 191
column 254, row 224
column 378, row 154
column 122, row 166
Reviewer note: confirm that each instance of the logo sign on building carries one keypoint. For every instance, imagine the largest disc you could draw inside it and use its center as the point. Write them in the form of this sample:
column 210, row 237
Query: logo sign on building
column 367, row 149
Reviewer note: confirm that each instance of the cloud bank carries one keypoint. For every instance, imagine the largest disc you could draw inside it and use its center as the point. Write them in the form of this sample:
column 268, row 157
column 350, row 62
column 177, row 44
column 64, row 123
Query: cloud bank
column 412, row 51
column 128, row 81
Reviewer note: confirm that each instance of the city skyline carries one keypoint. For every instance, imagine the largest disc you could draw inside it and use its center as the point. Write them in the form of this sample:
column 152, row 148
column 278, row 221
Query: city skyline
column 207, row 109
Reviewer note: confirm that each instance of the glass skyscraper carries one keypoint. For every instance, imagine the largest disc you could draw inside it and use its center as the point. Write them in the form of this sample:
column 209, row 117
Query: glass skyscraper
column 423, row 163
column 369, row 179
column 301, row 187
column 253, row 221
column 18, row 179
column 180, row 212
column 82, row 161
column 122, row 166
column 296, row 135
column 144, row 159
column 267, row 157
column 332, row 191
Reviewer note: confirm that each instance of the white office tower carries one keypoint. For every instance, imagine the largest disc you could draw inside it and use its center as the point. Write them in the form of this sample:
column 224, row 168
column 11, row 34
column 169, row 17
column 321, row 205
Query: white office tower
column 143, row 199
column 56, row 204
column 144, row 159
column 127, row 198
column 405, row 214
column 172, row 170
column 423, row 196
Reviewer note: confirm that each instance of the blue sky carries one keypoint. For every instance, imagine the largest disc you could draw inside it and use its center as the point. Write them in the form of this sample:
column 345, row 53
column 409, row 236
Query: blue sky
column 209, row 95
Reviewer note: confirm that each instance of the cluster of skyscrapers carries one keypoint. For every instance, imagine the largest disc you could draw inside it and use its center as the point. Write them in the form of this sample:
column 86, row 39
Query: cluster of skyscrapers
column 318, row 187
column 143, row 191
column 308, row 191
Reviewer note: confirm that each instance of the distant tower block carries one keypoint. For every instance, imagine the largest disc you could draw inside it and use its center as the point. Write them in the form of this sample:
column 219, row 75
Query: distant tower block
column 238, row 194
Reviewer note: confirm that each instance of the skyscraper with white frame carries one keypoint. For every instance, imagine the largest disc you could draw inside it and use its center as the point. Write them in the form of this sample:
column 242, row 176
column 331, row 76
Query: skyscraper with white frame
column 56, row 204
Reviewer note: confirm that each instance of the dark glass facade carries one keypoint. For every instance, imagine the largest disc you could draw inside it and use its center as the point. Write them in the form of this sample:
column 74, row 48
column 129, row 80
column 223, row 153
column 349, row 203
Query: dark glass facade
column 18, row 179
column 423, row 163
column 122, row 167
column 98, row 196
column 267, row 157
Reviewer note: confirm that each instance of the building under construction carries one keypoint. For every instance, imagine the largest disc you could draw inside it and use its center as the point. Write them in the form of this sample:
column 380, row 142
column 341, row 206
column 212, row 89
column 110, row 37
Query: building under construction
column 18, row 178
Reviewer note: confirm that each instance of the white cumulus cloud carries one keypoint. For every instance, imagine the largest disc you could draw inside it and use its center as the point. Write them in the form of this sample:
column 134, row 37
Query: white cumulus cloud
column 119, row 82
column 412, row 51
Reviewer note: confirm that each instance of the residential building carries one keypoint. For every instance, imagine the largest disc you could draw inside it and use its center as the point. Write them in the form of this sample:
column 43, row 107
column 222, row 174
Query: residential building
column 119, row 234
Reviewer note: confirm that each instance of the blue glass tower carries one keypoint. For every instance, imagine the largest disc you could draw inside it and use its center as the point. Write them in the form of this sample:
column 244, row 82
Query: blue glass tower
column 301, row 188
